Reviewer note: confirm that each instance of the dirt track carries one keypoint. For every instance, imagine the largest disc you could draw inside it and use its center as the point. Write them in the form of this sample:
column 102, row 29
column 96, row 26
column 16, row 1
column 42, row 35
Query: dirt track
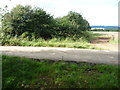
column 115, row 34
column 103, row 42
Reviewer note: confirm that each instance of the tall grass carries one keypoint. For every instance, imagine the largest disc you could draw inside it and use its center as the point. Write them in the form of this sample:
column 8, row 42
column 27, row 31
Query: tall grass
column 54, row 42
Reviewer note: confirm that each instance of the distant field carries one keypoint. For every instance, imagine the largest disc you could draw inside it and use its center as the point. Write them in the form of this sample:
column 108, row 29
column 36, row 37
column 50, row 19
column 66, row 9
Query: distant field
column 112, row 44
column 115, row 34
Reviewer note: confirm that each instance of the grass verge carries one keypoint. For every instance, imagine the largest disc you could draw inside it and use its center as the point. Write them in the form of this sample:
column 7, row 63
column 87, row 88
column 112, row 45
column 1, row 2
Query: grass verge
column 116, row 41
column 27, row 73
column 54, row 42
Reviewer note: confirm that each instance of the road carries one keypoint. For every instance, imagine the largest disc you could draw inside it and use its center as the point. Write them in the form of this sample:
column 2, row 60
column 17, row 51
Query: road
column 68, row 54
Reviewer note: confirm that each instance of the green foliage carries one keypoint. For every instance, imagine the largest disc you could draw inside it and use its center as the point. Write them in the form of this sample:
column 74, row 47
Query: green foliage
column 54, row 42
column 21, row 72
column 72, row 25
column 25, row 19
column 33, row 23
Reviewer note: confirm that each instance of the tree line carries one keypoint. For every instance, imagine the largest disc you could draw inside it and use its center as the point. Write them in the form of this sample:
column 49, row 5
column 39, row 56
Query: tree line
column 25, row 21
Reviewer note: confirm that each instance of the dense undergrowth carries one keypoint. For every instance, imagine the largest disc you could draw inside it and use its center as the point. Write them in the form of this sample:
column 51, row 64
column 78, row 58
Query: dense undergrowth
column 54, row 42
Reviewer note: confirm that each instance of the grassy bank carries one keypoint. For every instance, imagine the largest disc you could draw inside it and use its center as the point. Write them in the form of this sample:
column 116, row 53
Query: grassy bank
column 27, row 73
column 54, row 42
column 116, row 41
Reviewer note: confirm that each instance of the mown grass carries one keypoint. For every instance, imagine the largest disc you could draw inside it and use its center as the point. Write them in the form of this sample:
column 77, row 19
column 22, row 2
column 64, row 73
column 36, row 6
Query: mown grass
column 116, row 41
column 98, row 35
column 28, row 73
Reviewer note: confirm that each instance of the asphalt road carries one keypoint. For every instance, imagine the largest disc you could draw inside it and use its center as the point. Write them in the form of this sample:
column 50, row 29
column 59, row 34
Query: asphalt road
column 68, row 54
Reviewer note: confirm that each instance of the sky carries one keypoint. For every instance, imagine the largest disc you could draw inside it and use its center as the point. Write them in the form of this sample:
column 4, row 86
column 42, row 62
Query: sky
column 96, row 12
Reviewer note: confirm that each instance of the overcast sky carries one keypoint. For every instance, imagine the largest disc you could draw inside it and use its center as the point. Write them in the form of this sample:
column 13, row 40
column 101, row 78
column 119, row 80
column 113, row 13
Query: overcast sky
column 97, row 12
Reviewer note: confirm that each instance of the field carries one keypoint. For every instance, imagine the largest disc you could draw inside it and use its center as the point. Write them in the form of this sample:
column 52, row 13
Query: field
column 106, row 43
column 28, row 73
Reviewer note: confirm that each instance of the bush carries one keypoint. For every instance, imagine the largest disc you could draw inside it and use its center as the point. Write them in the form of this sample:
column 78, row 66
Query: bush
column 34, row 23
column 25, row 21
column 72, row 25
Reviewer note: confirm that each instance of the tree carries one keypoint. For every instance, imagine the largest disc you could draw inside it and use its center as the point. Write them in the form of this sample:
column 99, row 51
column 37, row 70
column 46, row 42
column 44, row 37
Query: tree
column 23, row 19
column 72, row 25
column 77, row 19
column 26, row 21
